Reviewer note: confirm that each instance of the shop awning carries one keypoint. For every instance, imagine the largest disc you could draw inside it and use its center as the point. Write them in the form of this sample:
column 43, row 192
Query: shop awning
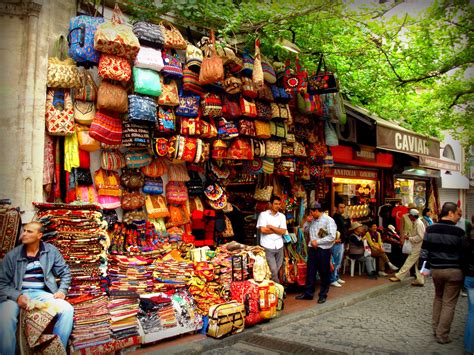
column 420, row 173
column 392, row 137
column 453, row 180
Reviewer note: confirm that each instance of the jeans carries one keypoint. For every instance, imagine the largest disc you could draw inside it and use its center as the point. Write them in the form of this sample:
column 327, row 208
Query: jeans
column 469, row 328
column 337, row 252
column 318, row 262
column 9, row 312
column 275, row 261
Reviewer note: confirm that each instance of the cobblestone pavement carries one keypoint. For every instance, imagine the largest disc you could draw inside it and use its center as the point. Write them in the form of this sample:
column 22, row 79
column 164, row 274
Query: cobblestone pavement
column 396, row 322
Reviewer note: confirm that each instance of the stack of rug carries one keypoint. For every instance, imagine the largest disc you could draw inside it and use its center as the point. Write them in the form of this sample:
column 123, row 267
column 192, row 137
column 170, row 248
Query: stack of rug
column 130, row 273
column 123, row 307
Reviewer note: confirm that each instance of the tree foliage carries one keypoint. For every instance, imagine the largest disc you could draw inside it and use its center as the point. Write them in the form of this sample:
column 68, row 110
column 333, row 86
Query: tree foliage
column 411, row 68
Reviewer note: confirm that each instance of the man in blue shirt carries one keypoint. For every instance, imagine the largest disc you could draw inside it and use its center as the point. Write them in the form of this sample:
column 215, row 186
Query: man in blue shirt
column 322, row 232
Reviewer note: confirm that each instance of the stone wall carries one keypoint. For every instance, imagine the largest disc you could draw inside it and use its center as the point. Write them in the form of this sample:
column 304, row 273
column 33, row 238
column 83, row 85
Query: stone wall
column 29, row 30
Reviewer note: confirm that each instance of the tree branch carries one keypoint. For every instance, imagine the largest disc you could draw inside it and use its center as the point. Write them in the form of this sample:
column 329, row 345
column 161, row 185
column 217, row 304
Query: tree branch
column 460, row 94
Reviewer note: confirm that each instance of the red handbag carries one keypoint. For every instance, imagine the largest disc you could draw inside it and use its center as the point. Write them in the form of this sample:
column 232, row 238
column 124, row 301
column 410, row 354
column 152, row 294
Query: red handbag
column 114, row 68
column 295, row 82
column 231, row 108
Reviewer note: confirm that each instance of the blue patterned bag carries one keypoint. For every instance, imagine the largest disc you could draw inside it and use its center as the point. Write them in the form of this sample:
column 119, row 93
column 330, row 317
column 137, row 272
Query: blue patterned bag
column 153, row 186
column 81, row 40
column 146, row 81
column 188, row 106
column 279, row 94
column 142, row 109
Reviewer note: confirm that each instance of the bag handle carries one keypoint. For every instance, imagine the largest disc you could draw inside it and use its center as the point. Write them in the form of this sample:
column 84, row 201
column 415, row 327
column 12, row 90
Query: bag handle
column 117, row 15
column 60, row 48
column 321, row 63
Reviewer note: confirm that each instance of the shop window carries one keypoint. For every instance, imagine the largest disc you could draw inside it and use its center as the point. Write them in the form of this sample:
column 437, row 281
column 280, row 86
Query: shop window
column 358, row 195
column 410, row 191
column 448, row 152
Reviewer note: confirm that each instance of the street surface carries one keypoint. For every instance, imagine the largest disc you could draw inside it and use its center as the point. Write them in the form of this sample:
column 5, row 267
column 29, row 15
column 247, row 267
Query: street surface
column 396, row 322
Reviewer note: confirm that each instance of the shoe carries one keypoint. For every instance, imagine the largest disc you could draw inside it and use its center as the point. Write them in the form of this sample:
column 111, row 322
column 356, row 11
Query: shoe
column 336, row 284
column 392, row 267
column 443, row 340
column 381, row 273
column 394, row 279
column 322, row 300
column 414, row 283
column 463, row 293
column 304, row 297
column 373, row 276
column 342, row 282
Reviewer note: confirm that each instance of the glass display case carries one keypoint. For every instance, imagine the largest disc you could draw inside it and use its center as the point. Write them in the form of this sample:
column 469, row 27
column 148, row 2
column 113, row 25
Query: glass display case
column 358, row 195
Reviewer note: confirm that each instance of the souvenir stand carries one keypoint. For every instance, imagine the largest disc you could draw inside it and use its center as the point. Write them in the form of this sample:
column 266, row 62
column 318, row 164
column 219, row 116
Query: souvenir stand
column 161, row 152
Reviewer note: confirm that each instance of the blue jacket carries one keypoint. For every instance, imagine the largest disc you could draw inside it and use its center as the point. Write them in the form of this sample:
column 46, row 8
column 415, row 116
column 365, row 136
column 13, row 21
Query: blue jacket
column 13, row 268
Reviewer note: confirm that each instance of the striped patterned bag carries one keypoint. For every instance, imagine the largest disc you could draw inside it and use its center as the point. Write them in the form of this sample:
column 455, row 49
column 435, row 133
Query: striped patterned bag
column 106, row 129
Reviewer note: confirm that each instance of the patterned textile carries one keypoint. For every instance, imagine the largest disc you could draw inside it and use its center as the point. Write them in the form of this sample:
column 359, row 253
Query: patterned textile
column 110, row 347
column 9, row 229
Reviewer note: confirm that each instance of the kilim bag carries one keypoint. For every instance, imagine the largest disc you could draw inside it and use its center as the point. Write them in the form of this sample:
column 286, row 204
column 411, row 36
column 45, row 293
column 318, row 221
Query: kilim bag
column 263, row 189
column 107, row 182
column 262, row 129
column 149, row 34
column 112, row 160
column 132, row 200
column 153, row 186
column 266, row 94
column 247, row 64
column 248, row 108
column 112, row 97
column 207, row 129
column 279, row 94
column 156, row 206
column 212, row 69
column 268, row 72
column 169, row 93
column 132, row 178
column 137, row 158
column 295, row 82
column 62, row 73
column 273, row 148
column 146, row 82
column 176, row 192
column 172, row 67
column 173, row 38
column 114, row 68
column 188, row 106
column 84, row 112
column 149, row 58
column 191, row 82
column 257, row 73
column 248, row 88
column 135, row 135
column 211, row 105
column 156, row 168
column 280, row 111
column 84, row 139
column 81, row 40
column 59, row 116
column 116, row 38
column 190, row 126
column 246, row 128
column 106, row 129
column 277, row 129
column 264, row 110
column 194, row 57
column 88, row 89
column 231, row 107
column 166, row 120
column 141, row 109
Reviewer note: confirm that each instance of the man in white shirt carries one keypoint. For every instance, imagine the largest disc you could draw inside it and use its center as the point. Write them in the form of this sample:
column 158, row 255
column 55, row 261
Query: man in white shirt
column 272, row 226
column 322, row 232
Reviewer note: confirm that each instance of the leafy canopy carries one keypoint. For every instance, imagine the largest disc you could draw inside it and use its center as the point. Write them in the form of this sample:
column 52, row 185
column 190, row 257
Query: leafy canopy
column 411, row 68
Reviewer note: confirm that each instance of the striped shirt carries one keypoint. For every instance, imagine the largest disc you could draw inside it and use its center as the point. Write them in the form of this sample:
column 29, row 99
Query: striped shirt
column 34, row 276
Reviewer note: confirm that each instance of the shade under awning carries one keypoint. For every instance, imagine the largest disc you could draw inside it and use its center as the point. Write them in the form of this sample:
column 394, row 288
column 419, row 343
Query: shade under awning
column 453, row 180
column 421, row 172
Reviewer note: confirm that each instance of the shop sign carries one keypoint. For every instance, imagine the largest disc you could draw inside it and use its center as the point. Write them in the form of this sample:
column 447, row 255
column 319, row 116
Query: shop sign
column 439, row 164
column 406, row 142
column 364, row 155
column 352, row 173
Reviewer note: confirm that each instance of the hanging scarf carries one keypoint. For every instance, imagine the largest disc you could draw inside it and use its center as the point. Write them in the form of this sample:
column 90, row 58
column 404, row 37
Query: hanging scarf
column 428, row 219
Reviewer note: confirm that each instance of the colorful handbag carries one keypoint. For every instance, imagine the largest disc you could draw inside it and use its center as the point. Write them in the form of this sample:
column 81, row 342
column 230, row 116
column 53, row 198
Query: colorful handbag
column 149, row 58
column 169, row 93
column 132, row 201
column 257, row 73
column 178, row 172
column 280, row 111
column 153, row 186
column 176, row 192
column 188, row 106
column 286, row 167
column 246, row 128
column 149, row 34
column 107, row 182
column 226, row 129
column 263, row 189
column 155, row 169
column 106, row 129
column 84, row 139
column 191, row 82
column 231, row 107
column 142, row 109
column 278, row 129
column 112, row 97
column 135, row 159
column 323, row 82
column 62, row 73
column 173, row 38
column 211, row 105
column 112, row 160
column 172, row 67
column 156, row 206
column 268, row 72
column 86, row 194
column 114, row 68
column 232, row 85
column 116, row 38
column 248, row 108
column 273, row 148
column 247, row 64
column 84, row 112
column 81, row 39
column 146, row 82
column 59, row 113
column 287, row 150
column 264, row 110
column 268, row 165
column 135, row 135
column 295, row 82
column 160, row 147
column 266, row 94
column 212, row 69
column 226, row 319
column 190, row 126
column 248, row 88
column 166, row 120
column 207, row 129
column 132, row 178
column 253, row 167
column 219, row 149
column 194, row 57
column 258, row 148
column 299, row 150
column 240, row 149
column 88, row 89
column 279, row 94
column 262, row 129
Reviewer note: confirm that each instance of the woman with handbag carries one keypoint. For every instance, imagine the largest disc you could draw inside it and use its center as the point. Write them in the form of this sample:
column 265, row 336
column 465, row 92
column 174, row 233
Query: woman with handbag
column 374, row 239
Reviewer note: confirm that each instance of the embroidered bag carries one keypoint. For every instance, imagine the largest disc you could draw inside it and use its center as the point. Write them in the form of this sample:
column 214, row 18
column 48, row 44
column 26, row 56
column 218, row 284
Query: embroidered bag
column 212, row 69
column 231, row 107
column 248, row 108
column 264, row 110
column 107, row 182
column 141, row 109
column 112, row 160
column 149, row 58
column 153, row 186
column 280, row 111
column 156, row 206
column 268, row 72
column 135, row 135
column 211, row 105
column 62, row 70
column 248, row 88
column 258, row 148
column 148, row 34
column 268, row 165
column 169, row 93
column 295, row 82
column 219, row 149
column 132, row 178
column 114, row 68
column 172, row 67
column 323, row 82
column 266, row 94
column 137, row 158
column 273, row 148
column 84, row 112
column 257, row 73
column 278, row 129
column 81, row 39
column 247, row 64
column 59, row 113
column 132, row 200
column 262, row 129
column 112, row 97
column 207, row 129
column 116, row 38
column 88, row 89
column 253, row 167
column 188, row 106
column 160, row 147
column 176, row 192
column 146, row 82
column 173, row 38
column 194, row 57
column 263, row 189
column 299, row 150
column 190, row 126
column 246, row 128
column 279, row 94
column 166, row 120
column 191, row 82
column 240, row 149
column 155, row 169
column 226, row 129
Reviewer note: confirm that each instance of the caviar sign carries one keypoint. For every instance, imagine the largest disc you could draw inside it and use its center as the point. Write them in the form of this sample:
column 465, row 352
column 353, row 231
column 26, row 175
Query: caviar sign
column 406, row 142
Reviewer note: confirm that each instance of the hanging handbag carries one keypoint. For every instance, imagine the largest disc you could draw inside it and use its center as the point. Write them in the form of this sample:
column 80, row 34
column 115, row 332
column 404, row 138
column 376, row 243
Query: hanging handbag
column 135, row 134
column 107, row 182
column 268, row 72
column 247, row 64
column 268, row 165
column 132, row 201
column 112, row 97
column 231, row 107
column 114, row 68
column 257, row 73
column 84, row 139
column 188, row 106
column 166, row 120
column 232, row 85
column 207, row 129
column 266, row 94
column 172, row 67
column 81, row 40
column 59, row 113
column 264, row 111
column 146, row 82
column 285, row 167
column 190, row 126
column 263, row 189
column 169, row 93
column 173, row 38
column 176, row 192
column 153, row 186
column 240, row 149
column 84, row 112
column 112, row 160
column 212, row 69
column 248, row 108
column 62, row 70
column 273, row 148
column 323, row 82
column 211, row 105
column 106, row 129
column 149, row 58
column 248, row 88
column 278, row 129
column 160, row 147
column 330, row 135
column 178, row 172
column 226, row 129
column 132, row 179
column 195, row 185
column 142, row 109
column 262, row 129
column 86, row 194
column 258, row 148
column 155, row 169
column 295, row 82
column 280, row 111
column 194, row 55
column 191, row 82
column 219, row 149
column 306, row 103
column 149, row 34
column 287, row 150
column 246, row 128
column 135, row 159
column 88, row 89
column 253, row 167
column 299, row 150
column 279, row 94
column 116, row 38
column 156, row 206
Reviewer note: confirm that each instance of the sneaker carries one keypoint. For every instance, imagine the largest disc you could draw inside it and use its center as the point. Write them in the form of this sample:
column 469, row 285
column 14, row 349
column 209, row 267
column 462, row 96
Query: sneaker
column 464, row 293
column 372, row 276
column 381, row 273
column 392, row 267
column 336, row 284
column 342, row 282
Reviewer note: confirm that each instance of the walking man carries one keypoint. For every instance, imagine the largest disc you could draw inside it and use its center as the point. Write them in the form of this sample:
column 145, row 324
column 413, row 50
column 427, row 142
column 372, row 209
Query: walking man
column 415, row 237
column 28, row 273
column 443, row 248
column 337, row 250
column 272, row 226
column 322, row 233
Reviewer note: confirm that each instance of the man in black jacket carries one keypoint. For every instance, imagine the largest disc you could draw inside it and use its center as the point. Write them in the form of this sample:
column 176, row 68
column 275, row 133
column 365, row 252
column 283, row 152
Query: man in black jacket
column 443, row 247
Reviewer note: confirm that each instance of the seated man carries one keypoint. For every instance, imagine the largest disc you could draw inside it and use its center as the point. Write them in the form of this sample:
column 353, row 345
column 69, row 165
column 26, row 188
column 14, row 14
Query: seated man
column 29, row 272
column 374, row 239
column 356, row 248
